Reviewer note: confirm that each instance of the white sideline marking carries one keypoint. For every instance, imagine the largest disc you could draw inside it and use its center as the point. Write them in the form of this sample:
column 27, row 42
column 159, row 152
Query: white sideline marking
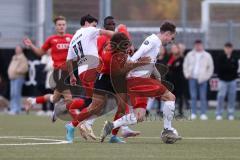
column 52, row 141
column 56, row 141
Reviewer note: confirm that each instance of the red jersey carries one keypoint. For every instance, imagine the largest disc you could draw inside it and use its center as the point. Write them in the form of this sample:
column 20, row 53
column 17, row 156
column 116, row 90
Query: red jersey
column 105, row 53
column 101, row 43
column 59, row 49
column 105, row 61
column 112, row 62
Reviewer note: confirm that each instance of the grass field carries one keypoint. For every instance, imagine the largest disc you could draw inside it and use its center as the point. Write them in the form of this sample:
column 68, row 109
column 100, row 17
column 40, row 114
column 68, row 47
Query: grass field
column 205, row 140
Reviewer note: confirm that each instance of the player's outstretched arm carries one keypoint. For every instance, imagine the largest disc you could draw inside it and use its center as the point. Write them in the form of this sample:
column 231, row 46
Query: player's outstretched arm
column 144, row 48
column 38, row 51
column 130, row 65
column 141, row 62
column 106, row 32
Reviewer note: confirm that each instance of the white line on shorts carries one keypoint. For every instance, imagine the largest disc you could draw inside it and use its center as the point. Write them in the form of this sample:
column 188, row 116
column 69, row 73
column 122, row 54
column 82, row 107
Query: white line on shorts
column 51, row 141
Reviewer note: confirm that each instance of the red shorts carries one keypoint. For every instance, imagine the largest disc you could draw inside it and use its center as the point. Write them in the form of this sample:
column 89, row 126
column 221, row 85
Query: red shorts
column 140, row 89
column 87, row 79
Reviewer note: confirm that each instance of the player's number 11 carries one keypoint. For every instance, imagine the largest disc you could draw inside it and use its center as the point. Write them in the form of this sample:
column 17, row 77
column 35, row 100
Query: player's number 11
column 79, row 48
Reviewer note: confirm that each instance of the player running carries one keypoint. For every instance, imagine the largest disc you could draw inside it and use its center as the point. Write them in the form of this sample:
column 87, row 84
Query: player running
column 83, row 48
column 141, row 86
column 58, row 44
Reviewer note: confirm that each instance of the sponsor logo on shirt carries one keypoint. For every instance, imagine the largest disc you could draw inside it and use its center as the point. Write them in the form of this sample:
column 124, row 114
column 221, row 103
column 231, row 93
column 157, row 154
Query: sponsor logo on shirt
column 62, row 46
column 68, row 39
column 55, row 40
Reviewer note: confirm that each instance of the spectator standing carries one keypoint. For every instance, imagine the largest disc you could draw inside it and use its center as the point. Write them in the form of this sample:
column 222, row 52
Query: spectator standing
column 16, row 72
column 227, row 73
column 198, row 68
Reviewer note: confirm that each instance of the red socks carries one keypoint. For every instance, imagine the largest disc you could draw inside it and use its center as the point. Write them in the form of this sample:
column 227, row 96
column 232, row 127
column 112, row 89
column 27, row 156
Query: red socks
column 75, row 123
column 40, row 100
column 77, row 104
column 73, row 106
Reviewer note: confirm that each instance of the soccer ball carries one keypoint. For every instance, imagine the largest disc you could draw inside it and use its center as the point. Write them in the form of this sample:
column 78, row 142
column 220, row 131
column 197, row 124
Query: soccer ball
column 170, row 136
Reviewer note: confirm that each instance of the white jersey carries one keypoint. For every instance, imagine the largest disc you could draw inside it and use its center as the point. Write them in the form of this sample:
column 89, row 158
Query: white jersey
column 149, row 48
column 84, row 46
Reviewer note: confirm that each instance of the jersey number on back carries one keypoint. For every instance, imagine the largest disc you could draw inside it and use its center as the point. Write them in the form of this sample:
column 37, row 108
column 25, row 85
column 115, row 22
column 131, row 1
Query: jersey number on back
column 79, row 44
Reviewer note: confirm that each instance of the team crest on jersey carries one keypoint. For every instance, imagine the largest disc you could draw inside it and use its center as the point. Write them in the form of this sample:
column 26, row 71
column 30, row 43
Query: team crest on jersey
column 146, row 42
column 55, row 40
column 68, row 39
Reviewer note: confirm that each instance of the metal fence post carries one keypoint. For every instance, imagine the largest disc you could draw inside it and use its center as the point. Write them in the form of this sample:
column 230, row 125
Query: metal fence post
column 105, row 9
column 48, row 26
column 230, row 31
column 41, row 6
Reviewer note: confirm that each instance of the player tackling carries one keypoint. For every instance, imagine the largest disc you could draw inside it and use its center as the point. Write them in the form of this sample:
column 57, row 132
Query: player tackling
column 139, row 82
column 83, row 49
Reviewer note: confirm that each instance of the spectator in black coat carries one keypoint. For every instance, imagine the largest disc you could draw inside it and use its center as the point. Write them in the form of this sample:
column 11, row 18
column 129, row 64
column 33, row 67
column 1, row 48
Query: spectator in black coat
column 227, row 73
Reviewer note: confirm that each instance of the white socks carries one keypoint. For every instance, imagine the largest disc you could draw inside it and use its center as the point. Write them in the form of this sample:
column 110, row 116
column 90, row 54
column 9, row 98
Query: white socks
column 128, row 119
column 168, row 113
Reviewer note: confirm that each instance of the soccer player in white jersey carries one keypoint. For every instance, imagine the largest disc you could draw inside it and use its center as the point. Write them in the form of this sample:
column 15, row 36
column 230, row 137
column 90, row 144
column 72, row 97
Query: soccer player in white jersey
column 83, row 48
column 141, row 86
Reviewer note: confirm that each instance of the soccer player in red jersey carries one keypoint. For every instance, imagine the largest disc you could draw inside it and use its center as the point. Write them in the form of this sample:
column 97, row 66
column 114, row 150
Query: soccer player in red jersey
column 109, row 24
column 58, row 43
